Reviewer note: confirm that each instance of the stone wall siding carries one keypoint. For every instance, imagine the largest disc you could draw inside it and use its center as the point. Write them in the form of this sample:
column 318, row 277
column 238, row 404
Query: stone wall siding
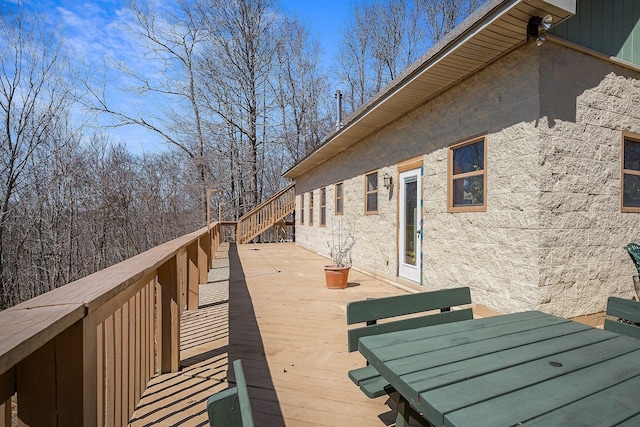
column 552, row 235
column 582, row 230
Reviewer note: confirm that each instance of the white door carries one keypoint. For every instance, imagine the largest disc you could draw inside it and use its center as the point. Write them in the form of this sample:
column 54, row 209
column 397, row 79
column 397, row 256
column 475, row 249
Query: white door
column 409, row 252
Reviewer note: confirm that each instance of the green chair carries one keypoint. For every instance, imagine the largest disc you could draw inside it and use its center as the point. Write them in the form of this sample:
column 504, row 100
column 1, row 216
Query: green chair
column 634, row 252
column 231, row 407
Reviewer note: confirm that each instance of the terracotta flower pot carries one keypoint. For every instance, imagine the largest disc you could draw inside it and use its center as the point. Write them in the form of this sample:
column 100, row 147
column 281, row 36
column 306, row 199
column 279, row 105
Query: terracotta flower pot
column 337, row 277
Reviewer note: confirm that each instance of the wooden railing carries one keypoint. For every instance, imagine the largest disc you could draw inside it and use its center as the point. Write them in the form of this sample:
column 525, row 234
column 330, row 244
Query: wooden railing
column 266, row 215
column 82, row 354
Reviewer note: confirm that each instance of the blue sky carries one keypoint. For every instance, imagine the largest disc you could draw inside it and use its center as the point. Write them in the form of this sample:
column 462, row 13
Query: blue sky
column 95, row 30
column 325, row 17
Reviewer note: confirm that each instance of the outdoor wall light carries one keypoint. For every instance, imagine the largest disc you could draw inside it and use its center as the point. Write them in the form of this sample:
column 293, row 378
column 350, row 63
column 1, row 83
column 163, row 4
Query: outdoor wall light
column 536, row 28
column 386, row 179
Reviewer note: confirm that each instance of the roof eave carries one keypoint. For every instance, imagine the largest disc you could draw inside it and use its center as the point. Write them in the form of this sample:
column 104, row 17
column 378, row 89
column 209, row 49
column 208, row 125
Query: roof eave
column 491, row 33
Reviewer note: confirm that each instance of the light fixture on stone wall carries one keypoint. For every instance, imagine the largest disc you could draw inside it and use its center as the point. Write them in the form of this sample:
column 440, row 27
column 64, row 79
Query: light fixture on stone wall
column 536, row 28
column 386, row 179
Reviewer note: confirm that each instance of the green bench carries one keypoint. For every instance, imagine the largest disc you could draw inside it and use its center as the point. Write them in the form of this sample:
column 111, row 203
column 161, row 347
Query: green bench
column 231, row 407
column 370, row 311
column 627, row 313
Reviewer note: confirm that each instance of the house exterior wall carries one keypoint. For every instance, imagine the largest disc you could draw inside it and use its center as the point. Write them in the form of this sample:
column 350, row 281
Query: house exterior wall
column 582, row 228
column 552, row 234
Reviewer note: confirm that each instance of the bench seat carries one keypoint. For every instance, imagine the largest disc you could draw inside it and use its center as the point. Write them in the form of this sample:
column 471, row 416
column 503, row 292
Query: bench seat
column 370, row 311
column 370, row 382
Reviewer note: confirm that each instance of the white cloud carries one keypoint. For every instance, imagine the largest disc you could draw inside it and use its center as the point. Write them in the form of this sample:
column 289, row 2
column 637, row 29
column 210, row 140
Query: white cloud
column 97, row 32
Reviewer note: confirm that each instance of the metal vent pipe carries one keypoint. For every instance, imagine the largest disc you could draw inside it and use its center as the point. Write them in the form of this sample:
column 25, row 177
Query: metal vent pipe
column 338, row 97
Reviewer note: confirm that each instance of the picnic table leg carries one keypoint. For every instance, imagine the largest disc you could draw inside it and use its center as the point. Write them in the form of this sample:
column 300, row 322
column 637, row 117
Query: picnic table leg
column 405, row 411
column 402, row 419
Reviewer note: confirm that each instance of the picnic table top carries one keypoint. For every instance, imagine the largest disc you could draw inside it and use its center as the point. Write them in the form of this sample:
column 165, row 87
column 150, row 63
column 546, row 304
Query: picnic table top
column 528, row 368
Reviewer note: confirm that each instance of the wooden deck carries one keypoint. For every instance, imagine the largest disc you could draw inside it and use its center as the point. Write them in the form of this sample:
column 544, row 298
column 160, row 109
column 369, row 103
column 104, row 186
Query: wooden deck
column 268, row 305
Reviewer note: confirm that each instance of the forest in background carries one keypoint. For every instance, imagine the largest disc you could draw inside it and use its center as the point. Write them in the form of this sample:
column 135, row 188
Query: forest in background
column 241, row 96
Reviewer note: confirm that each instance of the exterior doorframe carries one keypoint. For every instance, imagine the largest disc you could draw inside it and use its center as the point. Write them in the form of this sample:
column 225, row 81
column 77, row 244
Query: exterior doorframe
column 409, row 271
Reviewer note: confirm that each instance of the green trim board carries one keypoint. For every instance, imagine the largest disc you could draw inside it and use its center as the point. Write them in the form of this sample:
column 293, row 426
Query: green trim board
column 611, row 27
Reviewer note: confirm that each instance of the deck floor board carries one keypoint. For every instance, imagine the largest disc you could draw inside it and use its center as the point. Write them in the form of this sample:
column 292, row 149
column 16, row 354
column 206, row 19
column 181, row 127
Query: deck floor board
column 268, row 305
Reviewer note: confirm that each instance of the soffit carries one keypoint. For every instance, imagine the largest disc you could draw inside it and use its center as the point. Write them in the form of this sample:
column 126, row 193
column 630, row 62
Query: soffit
column 493, row 32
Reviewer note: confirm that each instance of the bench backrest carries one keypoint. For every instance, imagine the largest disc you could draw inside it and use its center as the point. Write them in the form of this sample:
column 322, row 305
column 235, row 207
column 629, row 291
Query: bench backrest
column 372, row 310
column 629, row 313
column 231, row 407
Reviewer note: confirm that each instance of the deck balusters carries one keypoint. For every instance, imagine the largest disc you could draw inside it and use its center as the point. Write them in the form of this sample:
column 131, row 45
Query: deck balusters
column 83, row 354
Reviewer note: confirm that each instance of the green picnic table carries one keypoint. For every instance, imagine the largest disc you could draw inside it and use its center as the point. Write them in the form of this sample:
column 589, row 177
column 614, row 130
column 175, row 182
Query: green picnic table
column 530, row 369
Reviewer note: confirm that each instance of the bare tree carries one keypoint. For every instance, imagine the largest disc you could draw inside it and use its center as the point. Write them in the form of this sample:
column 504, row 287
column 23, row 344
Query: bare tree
column 444, row 15
column 301, row 93
column 171, row 35
column 35, row 100
column 239, row 61
column 353, row 59
column 383, row 37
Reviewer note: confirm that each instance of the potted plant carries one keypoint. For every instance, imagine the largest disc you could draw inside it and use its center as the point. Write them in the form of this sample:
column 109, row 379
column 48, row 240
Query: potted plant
column 342, row 241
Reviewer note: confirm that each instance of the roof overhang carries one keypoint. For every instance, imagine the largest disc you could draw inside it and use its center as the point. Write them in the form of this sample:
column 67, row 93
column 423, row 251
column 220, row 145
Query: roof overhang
column 488, row 35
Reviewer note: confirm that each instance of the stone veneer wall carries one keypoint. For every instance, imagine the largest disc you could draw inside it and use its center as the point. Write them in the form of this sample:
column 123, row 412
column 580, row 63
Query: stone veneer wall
column 582, row 231
column 552, row 236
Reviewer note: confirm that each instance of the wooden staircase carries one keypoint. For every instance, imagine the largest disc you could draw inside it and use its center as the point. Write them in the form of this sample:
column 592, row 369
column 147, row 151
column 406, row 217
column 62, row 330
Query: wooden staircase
column 266, row 215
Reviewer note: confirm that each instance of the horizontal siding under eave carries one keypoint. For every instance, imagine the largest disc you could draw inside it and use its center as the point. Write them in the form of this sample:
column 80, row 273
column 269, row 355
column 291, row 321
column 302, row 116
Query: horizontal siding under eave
column 611, row 27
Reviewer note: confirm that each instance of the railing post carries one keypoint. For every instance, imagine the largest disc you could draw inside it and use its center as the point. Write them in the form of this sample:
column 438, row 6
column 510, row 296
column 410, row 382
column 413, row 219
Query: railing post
column 170, row 316
column 36, row 383
column 207, row 250
column 7, row 390
column 203, row 242
column 193, row 276
column 82, row 340
column 51, row 383
column 5, row 414
column 182, row 263
column 214, row 240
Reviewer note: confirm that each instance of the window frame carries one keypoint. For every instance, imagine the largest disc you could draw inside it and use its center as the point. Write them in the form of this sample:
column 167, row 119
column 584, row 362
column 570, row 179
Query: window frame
column 310, row 207
column 451, row 176
column 367, row 192
column 627, row 136
column 302, row 209
column 323, row 207
column 336, row 198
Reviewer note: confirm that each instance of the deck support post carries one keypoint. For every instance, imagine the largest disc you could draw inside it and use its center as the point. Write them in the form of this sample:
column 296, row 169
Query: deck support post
column 170, row 316
column 51, row 385
column 193, row 276
column 5, row 414
column 211, row 249
column 7, row 390
column 203, row 258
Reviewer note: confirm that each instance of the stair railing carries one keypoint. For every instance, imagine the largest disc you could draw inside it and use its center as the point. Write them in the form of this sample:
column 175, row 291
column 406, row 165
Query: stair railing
column 266, row 215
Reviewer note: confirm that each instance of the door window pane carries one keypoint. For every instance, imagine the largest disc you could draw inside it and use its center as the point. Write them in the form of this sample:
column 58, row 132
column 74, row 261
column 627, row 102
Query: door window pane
column 410, row 220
